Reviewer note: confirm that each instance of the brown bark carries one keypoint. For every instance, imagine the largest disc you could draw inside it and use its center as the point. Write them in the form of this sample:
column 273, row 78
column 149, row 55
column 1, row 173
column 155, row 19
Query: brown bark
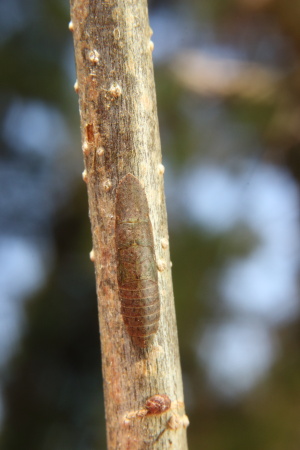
column 142, row 386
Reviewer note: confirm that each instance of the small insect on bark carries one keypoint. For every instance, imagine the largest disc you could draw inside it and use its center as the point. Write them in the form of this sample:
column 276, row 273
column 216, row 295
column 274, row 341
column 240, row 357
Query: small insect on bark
column 158, row 404
column 136, row 271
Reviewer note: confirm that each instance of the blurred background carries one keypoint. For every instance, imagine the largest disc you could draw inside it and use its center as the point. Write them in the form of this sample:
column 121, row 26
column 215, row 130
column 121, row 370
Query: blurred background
column 228, row 87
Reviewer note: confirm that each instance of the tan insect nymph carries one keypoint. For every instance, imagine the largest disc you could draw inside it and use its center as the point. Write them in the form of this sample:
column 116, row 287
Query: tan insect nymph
column 137, row 272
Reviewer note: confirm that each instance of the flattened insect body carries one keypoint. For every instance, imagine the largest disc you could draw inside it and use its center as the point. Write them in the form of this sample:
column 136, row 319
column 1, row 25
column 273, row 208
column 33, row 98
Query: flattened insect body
column 137, row 273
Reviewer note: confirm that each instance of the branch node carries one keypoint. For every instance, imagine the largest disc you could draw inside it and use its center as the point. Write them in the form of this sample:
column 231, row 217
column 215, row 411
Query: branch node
column 158, row 404
column 92, row 255
column 115, row 90
column 107, row 185
column 94, row 56
column 161, row 169
column 85, row 176
column 86, row 148
column 161, row 265
column 164, row 243
column 155, row 405
column 151, row 46
column 175, row 422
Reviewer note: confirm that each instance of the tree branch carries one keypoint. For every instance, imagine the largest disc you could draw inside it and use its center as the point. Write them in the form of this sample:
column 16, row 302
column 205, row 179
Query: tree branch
column 142, row 383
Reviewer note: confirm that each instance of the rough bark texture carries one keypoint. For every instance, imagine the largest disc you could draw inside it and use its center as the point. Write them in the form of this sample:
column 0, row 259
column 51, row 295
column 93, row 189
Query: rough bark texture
column 142, row 386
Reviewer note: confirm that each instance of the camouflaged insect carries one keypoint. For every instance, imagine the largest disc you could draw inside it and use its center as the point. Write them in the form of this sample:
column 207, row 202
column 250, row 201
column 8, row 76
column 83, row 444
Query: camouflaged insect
column 136, row 271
